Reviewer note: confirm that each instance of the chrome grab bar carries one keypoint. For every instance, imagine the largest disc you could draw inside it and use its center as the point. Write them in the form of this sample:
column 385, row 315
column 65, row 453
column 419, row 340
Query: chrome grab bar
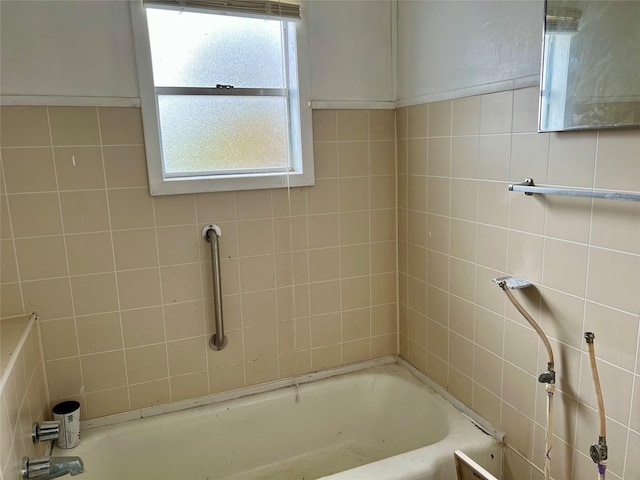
column 212, row 233
column 529, row 188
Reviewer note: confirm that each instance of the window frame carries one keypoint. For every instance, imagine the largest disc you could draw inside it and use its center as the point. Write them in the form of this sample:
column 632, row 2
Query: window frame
column 300, row 128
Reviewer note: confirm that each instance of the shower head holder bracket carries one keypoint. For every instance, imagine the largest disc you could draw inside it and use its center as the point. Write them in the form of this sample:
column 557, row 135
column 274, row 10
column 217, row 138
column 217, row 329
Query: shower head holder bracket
column 547, row 377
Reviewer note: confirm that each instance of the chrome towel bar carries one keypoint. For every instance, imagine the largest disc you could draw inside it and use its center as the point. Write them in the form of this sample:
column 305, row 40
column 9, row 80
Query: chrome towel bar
column 529, row 188
column 212, row 233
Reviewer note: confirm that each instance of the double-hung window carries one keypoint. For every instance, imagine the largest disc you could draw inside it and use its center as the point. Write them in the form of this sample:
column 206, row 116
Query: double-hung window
column 223, row 95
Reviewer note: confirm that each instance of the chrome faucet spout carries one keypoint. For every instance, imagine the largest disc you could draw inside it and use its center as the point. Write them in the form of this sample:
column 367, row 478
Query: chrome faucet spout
column 46, row 468
column 63, row 465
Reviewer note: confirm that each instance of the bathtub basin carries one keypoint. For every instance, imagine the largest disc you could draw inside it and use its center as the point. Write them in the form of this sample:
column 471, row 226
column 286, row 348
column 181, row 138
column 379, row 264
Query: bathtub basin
column 379, row 423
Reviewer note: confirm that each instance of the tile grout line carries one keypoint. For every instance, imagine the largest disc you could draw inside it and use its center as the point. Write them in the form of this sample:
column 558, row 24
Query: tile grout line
column 162, row 300
column 241, row 307
column 584, row 308
column 82, row 392
column 202, row 299
column 113, row 260
column 504, row 300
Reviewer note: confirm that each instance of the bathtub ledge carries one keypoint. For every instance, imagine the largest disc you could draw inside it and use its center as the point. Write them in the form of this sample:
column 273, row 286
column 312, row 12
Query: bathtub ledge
column 11, row 350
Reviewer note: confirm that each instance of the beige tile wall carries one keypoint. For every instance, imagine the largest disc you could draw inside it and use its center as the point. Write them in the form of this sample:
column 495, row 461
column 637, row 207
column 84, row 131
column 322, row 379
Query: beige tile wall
column 23, row 400
column 122, row 281
column 459, row 227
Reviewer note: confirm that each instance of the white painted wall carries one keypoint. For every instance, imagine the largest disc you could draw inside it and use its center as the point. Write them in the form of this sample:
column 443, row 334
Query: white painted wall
column 84, row 48
column 445, row 48
column 448, row 49
column 350, row 50
column 68, row 48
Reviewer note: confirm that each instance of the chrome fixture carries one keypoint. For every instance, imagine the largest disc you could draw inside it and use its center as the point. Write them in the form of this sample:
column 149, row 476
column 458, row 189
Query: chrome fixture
column 529, row 188
column 212, row 233
column 513, row 283
column 45, row 431
column 44, row 468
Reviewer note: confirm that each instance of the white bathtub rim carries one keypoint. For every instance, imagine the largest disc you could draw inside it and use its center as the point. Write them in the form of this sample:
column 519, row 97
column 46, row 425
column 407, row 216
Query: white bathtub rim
column 234, row 394
column 477, row 419
column 474, row 417
column 412, row 464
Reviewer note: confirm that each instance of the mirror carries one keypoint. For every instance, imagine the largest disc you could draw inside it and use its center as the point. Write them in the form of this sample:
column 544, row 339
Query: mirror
column 590, row 65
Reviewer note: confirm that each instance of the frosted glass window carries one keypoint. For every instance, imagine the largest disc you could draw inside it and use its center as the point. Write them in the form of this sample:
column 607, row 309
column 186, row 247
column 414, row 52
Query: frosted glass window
column 201, row 50
column 225, row 101
column 223, row 133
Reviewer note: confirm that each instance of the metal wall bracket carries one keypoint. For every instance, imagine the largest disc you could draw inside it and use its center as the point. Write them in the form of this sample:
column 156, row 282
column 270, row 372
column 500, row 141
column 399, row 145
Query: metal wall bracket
column 528, row 187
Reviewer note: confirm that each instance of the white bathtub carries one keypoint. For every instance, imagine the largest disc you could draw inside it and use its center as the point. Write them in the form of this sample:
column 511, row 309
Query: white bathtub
column 378, row 423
